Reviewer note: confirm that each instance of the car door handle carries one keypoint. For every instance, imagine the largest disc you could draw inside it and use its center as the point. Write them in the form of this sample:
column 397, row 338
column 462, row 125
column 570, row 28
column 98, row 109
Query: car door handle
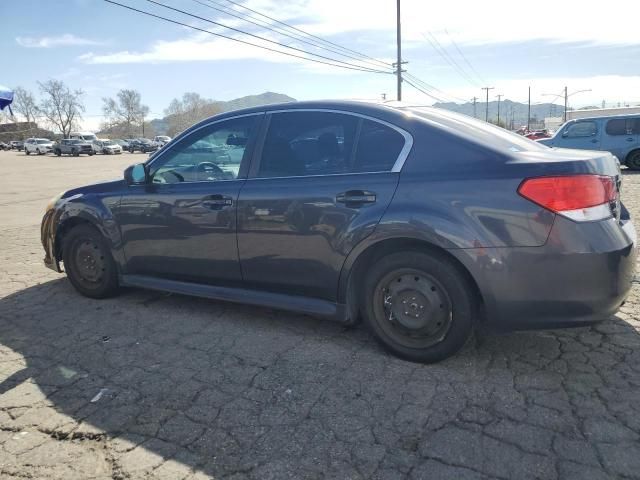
column 217, row 201
column 356, row 197
column 629, row 139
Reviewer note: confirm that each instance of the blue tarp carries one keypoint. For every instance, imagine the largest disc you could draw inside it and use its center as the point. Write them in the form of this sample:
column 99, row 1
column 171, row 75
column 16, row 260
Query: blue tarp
column 6, row 97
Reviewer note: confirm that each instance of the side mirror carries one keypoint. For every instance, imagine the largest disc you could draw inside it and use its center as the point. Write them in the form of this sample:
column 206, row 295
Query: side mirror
column 136, row 174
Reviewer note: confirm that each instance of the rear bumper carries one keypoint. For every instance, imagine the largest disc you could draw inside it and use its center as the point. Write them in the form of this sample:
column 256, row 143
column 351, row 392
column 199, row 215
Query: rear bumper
column 582, row 275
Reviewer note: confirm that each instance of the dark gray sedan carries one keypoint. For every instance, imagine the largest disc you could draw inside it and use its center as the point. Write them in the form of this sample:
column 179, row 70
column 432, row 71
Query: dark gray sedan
column 425, row 223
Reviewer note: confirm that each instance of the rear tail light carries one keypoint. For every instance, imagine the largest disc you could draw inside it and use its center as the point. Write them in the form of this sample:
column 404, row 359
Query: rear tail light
column 579, row 197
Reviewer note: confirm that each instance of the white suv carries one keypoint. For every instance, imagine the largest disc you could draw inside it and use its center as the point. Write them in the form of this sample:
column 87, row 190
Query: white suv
column 161, row 140
column 40, row 146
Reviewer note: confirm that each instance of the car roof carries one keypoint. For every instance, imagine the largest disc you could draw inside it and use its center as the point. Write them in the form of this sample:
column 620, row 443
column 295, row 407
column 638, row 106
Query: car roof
column 607, row 117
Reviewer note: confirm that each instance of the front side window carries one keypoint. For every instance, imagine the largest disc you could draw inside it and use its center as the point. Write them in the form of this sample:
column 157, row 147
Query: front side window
column 581, row 129
column 212, row 153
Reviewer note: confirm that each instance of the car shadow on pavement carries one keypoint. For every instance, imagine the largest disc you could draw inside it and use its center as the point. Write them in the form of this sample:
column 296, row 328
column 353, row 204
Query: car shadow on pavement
column 176, row 387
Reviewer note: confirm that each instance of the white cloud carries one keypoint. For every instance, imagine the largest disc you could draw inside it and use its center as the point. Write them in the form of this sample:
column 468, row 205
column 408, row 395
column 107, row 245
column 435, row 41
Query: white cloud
column 65, row 40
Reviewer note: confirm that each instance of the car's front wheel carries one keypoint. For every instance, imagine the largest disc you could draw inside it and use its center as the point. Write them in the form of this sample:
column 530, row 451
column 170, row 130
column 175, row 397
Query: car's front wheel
column 418, row 305
column 88, row 262
column 26, row 152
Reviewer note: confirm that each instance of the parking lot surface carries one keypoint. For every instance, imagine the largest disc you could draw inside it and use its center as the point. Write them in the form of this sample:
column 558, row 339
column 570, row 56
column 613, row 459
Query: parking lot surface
column 151, row 385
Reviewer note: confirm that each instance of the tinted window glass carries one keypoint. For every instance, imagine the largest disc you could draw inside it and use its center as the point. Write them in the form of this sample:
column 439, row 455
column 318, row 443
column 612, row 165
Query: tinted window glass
column 581, row 129
column 209, row 154
column 308, row 143
column 617, row 126
column 378, row 148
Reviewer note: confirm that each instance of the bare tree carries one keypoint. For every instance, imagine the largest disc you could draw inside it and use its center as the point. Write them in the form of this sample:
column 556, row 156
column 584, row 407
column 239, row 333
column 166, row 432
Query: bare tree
column 126, row 112
column 182, row 113
column 61, row 106
column 24, row 104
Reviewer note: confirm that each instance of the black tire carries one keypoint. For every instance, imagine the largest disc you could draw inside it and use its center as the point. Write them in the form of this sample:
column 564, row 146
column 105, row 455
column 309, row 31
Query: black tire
column 633, row 160
column 88, row 262
column 58, row 152
column 75, row 153
column 434, row 290
column 27, row 152
column 91, row 154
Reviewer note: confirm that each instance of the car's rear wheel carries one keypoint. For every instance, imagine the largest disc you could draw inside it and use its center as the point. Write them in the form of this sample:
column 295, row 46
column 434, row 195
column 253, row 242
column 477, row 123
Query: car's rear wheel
column 633, row 160
column 88, row 262
column 58, row 153
column 26, row 152
column 418, row 305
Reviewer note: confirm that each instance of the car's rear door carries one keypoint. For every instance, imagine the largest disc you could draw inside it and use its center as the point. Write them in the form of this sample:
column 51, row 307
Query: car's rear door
column 321, row 182
column 182, row 225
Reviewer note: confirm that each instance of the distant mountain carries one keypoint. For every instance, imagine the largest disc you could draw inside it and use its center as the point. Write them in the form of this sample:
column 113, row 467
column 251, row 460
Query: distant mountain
column 161, row 125
column 266, row 98
column 510, row 112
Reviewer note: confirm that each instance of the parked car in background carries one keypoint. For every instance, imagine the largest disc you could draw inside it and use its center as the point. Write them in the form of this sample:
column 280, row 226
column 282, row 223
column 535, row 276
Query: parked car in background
column 536, row 134
column 84, row 136
column 161, row 140
column 106, row 147
column 5, row 146
column 425, row 222
column 143, row 145
column 16, row 144
column 619, row 134
column 72, row 146
column 39, row 146
column 123, row 143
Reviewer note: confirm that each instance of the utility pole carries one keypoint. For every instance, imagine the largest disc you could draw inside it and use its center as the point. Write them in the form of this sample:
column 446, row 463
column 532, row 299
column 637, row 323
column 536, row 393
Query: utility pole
column 399, row 45
column 384, row 96
column 566, row 99
column 486, row 111
column 499, row 97
column 474, row 99
column 529, row 111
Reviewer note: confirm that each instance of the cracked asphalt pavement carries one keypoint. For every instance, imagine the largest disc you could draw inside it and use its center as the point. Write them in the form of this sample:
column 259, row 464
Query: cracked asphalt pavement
column 149, row 385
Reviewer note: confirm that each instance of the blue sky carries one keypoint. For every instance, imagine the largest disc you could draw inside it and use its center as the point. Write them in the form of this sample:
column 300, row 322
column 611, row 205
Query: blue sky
column 101, row 48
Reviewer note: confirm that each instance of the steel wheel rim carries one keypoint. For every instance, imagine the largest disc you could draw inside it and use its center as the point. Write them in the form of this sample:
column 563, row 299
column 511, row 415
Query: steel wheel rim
column 413, row 308
column 89, row 262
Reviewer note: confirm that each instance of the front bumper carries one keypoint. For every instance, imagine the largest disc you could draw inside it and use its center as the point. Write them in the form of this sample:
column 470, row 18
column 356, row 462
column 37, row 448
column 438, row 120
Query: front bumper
column 48, row 239
column 582, row 275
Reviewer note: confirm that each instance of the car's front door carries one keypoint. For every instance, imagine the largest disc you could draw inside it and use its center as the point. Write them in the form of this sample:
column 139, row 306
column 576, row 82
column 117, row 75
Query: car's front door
column 322, row 183
column 182, row 224
column 582, row 134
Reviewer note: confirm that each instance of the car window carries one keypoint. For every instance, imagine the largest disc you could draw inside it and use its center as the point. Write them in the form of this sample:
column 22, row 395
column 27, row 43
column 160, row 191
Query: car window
column 308, row 143
column 581, row 129
column 622, row 126
column 209, row 154
column 378, row 147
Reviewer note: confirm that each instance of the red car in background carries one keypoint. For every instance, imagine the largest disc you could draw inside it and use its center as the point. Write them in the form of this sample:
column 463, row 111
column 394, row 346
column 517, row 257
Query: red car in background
column 537, row 134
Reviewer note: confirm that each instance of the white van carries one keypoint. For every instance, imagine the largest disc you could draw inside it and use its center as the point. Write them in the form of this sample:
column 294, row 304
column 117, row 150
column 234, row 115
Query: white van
column 85, row 136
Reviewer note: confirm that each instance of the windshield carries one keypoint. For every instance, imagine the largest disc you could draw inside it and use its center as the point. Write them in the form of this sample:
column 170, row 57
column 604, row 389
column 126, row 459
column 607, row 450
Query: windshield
column 43, row 140
column 107, row 142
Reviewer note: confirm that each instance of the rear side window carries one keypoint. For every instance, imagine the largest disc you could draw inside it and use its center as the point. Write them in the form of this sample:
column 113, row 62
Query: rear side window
column 308, row 143
column 622, row 126
column 378, row 148
column 581, row 129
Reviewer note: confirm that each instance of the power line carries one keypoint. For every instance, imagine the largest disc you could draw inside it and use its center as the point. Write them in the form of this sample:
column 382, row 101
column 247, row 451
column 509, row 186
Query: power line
column 422, row 90
column 453, row 42
column 264, row 39
column 346, row 66
column 260, row 23
column 301, row 31
column 451, row 61
column 447, row 96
